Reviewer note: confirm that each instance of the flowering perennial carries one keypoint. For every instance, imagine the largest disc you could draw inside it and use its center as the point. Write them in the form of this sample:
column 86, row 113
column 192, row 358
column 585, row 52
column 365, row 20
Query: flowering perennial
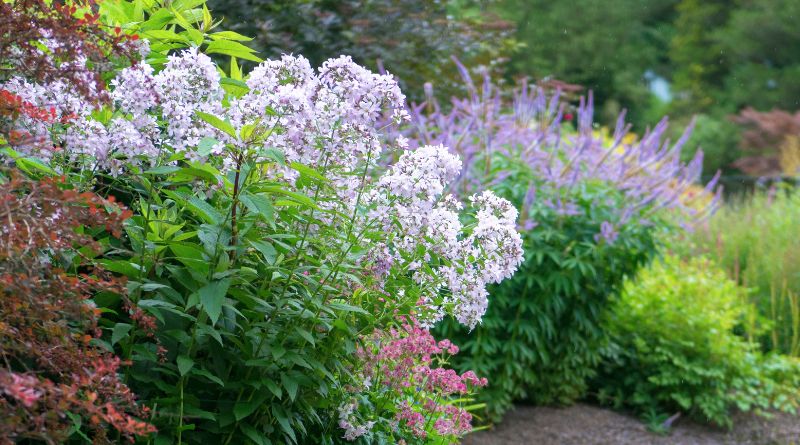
column 411, row 199
column 400, row 365
column 528, row 126
column 327, row 120
column 273, row 216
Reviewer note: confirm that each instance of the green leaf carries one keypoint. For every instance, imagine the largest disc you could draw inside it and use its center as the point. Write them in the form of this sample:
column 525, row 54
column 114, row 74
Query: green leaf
column 204, row 210
column 190, row 255
column 205, row 172
column 236, row 72
column 290, row 384
column 266, row 249
column 184, row 364
column 180, row 19
column 207, row 19
column 274, row 154
column 247, row 131
column 193, row 411
column 162, row 170
column 233, row 49
column 213, row 333
column 76, row 426
column 164, row 35
column 230, row 35
column 274, row 388
column 347, row 308
column 234, row 87
column 120, row 266
column 297, row 197
column 254, row 435
column 32, row 165
column 157, row 20
column 119, row 332
column 308, row 171
column 260, row 205
column 149, row 287
column 305, row 334
column 280, row 415
column 206, row 145
column 217, row 123
column 186, row 5
column 245, row 408
column 194, row 36
column 208, row 375
column 211, row 297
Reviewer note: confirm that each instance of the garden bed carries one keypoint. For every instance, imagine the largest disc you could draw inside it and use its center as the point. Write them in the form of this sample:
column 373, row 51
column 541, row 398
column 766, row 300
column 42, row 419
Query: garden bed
column 591, row 425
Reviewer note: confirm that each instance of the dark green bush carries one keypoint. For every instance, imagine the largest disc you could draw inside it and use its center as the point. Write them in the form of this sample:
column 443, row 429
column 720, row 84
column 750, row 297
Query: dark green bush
column 674, row 348
column 541, row 337
column 718, row 138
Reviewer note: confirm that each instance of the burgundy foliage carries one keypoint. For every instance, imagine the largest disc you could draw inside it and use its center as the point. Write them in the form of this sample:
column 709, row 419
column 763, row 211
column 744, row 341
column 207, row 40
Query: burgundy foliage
column 764, row 136
column 60, row 40
column 52, row 373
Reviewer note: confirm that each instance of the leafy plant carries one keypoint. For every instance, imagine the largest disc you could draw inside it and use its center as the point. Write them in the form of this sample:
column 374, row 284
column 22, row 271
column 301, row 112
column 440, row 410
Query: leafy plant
column 541, row 337
column 268, row 241
column 56, row 379
column 752, row 239
column 592, row 210
column 673, row 348
column 404, row 394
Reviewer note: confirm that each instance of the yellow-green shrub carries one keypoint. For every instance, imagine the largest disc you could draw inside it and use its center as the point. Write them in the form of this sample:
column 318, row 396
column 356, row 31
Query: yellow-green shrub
column 674, row 348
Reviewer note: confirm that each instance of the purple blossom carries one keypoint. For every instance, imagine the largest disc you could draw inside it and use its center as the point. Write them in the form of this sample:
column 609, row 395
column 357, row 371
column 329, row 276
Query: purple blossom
column 526, row 123
column 329, row 120
column 607, row 233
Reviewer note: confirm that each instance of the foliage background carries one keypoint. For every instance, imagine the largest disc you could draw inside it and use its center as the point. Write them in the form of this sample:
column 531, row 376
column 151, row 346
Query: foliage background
column 412, row 39
column 674, row 349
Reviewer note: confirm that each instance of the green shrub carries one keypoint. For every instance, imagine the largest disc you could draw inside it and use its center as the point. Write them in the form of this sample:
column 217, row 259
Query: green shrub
column 674, row 348
column 754, row 239
column 541, row 337
column 718, row 138
column 270, row 259
column 592, row 208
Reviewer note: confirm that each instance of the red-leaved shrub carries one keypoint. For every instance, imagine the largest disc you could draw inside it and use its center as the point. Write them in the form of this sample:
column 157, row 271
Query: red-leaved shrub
column 43, row 41
column 53, row 377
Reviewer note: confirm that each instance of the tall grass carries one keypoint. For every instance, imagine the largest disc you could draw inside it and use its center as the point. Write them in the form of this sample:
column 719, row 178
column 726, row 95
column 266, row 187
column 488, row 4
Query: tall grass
column 755, row 238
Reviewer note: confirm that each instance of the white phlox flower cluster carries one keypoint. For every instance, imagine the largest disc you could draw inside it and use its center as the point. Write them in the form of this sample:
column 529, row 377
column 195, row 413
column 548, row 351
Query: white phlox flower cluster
column 322, row 119
column 347, row 422
column 412, row 210
column 189, row 83
column 327, row 119
column 57, row 97
column 492, row 253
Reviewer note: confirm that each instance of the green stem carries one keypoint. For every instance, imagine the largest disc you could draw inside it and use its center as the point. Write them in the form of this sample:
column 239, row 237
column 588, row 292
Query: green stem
column 180, row 414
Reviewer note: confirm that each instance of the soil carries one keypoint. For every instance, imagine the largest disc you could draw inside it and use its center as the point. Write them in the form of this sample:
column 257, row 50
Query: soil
column 590, row 425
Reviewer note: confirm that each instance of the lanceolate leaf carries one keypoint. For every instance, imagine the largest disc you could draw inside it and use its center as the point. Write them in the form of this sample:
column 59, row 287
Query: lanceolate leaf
column 212, row 296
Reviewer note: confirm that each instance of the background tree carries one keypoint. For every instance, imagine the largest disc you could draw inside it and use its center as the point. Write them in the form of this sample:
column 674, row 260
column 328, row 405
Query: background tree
column 412, row 39
column 608, row 47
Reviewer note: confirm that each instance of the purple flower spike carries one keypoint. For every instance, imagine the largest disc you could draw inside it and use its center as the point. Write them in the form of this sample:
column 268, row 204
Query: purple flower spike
column 526, row 123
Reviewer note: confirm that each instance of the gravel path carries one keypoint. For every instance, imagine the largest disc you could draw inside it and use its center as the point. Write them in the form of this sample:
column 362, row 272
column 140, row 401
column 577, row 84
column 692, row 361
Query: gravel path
column 589, row 425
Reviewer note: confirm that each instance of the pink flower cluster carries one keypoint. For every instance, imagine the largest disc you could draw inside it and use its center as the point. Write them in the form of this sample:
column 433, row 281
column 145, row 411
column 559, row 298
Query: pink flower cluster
column 402, row 362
